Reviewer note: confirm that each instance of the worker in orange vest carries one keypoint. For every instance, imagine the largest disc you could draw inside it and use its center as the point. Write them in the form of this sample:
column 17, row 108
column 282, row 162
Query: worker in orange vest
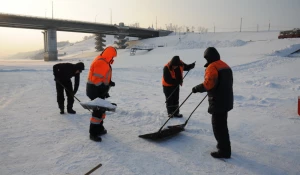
column 171, row 80
column 98, row 85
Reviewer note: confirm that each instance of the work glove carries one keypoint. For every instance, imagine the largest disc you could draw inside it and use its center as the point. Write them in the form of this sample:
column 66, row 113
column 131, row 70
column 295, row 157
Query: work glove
column 179, row 82
column 112, row 83
column 194, row 90
column 193, row 65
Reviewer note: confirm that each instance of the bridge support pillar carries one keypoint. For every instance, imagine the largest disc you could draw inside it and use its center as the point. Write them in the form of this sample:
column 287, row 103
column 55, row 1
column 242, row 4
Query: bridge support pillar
column 50, row 45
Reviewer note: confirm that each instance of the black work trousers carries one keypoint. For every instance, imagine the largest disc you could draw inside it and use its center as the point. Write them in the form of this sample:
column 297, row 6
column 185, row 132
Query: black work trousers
column 220, row 128
column 96, row 129
column 172, row 92
column 60, row 94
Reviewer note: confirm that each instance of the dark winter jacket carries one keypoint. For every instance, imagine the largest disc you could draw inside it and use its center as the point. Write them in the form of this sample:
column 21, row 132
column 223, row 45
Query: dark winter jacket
column 167, row 77
column 218, row 83
column 65, row 71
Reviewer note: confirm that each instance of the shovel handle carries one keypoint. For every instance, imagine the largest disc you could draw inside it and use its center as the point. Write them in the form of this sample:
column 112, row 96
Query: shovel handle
column 70, row 93
column 174, row 113
column 195, row 110
column 178, row 85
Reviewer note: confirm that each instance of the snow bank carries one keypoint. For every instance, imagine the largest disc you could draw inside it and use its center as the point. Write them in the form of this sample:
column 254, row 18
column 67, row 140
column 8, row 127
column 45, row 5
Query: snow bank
column 196, row 44
column 286, row 51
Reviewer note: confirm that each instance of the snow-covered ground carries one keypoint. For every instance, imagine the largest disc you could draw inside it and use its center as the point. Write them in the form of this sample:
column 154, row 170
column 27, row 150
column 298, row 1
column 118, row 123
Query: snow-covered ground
column 264, row 124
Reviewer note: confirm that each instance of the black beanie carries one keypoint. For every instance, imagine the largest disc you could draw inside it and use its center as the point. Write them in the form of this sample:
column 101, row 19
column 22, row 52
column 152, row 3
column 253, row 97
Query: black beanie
column 175, row 61
column 79, row 66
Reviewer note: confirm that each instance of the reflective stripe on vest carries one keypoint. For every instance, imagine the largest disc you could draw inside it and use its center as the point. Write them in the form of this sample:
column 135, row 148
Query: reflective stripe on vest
column 96, row 120
column 96, row 76
column 172, row 72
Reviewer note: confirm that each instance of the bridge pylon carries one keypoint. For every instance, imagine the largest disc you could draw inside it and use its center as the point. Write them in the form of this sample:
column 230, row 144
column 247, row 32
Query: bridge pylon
column 50, row 45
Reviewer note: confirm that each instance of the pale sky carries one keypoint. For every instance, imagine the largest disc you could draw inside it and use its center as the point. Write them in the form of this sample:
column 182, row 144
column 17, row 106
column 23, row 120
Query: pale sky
column 225, row 15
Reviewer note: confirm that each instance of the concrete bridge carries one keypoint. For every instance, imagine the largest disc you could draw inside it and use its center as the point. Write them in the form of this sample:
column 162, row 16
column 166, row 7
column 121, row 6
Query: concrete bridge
column 51, row 26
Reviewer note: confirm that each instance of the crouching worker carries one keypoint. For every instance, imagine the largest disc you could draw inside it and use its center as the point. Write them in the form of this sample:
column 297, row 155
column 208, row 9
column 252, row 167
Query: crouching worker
column 63, row 72
column 171, row 80
column 98, row 85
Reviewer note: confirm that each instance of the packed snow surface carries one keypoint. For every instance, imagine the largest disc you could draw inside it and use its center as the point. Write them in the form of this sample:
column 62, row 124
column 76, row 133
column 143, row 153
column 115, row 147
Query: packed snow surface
column 263, row 126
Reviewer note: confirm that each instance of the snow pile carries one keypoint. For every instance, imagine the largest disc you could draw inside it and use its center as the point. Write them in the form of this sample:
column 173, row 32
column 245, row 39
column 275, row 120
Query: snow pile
column 286, row 51
column 218, row 44
column 263, row 125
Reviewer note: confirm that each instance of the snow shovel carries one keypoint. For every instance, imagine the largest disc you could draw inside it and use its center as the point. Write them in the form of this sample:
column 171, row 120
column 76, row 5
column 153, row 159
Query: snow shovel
column 168, row 132
column 181, row 126
column 107, row 106
column 178, row 85
column 70, row 93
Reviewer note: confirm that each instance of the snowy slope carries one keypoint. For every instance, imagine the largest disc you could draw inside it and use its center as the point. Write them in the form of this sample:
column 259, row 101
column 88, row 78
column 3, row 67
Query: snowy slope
column 263, row 126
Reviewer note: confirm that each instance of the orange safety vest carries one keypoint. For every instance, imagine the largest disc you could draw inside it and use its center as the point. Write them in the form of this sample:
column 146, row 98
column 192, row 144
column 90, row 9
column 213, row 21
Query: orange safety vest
column 172, row 72
column 100, row 70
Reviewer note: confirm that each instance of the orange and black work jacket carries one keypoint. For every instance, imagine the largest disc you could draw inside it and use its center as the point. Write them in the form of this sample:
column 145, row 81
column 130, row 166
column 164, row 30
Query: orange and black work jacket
column 100, row 74
column 218, row 82
column 174, row 77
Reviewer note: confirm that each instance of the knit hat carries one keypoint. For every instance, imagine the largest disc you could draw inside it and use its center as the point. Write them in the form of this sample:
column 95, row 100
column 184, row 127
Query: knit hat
column 79, row 66
column 175, row 61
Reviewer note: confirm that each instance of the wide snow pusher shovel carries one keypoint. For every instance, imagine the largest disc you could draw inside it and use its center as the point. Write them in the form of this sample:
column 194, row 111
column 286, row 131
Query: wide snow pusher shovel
column 181, row 126
column 99, row 104
column 167, row 132
column 95, row 104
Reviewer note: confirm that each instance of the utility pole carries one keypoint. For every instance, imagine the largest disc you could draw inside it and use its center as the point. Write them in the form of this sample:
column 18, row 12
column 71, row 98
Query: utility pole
column 156, row 22
column 241, row 25
column 110, row 16
column 214, row 28
column 52, row 9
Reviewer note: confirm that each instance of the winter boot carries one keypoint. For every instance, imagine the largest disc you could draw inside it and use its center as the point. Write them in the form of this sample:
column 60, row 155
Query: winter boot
column 219, row 154
column 107, row 95
column 71, row 111
column 62, row 111
column 95, row 138
column 103, row 132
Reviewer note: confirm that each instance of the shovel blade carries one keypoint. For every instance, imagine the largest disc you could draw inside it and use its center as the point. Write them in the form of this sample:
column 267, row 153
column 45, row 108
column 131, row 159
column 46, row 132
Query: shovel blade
column 93, row 107
column 165, row 133
column 181, row 126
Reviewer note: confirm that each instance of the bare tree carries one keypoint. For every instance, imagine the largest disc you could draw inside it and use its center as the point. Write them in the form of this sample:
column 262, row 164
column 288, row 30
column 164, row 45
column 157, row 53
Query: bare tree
column 136, row 25
column 202, row 29
column 171, row 27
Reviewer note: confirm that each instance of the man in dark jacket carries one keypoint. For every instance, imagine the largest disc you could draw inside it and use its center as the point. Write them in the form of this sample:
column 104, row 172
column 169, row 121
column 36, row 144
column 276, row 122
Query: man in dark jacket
column 171, row 80
column 218, row 82
column 63, row 72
